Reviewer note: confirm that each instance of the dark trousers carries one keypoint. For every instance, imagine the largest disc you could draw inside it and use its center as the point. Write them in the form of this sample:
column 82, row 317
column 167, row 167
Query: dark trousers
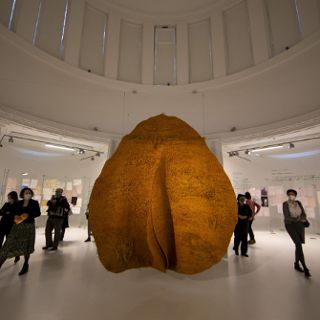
column 4, row 232
column 89, row 229
column 2, row 235
column 241, row 236
column 297, row 234
column 251, row 234
column 53, row 224
column 63, row 231
column 299, row 255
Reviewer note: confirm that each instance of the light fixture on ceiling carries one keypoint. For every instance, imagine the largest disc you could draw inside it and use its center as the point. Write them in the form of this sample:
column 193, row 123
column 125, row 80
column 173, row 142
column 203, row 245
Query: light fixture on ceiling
column 233, row 153
column 267, row 148
column 81, row 151
column 98, row 154
column 92, row 158
column 247, row 152
column 10, row 140
column 24, row 173
column 53, row 146
column 291, row 145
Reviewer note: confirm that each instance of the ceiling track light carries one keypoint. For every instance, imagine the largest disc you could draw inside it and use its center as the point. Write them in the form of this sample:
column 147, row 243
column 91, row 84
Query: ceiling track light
column 267, row 148
column 290, row 145
column 60, row 147
column 10, row 140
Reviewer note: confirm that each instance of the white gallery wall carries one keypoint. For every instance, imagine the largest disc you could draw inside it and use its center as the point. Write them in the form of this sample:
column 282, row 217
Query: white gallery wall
column 278, row 175
column 39, row 163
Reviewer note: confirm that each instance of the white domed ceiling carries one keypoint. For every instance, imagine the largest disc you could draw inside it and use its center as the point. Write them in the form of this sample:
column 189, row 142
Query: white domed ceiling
column 163, row 7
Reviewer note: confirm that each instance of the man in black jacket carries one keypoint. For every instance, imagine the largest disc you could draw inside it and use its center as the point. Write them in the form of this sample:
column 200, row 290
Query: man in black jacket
column 7, row 213
column 58, row 207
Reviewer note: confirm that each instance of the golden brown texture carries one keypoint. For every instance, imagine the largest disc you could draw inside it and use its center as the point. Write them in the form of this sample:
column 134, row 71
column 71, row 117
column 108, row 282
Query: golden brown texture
column 162, row 201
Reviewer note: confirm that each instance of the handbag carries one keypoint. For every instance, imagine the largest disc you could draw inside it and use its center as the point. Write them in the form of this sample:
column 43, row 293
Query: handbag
column 306, row 224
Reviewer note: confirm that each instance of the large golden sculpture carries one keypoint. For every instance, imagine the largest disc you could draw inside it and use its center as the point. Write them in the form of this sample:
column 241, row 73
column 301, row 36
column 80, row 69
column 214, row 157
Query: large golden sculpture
column 162, row 201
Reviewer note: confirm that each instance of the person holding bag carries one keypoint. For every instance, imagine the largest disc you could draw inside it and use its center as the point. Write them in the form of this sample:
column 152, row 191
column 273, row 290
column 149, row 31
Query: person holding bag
column 21, row 239
column 295, row 220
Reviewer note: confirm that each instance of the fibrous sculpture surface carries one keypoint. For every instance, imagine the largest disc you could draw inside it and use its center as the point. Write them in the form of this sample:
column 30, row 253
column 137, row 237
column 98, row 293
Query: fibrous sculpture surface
column 162, row 201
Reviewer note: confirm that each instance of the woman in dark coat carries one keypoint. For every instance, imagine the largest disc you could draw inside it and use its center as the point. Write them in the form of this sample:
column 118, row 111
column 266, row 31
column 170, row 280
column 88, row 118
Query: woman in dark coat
column 7, row 214
column 242, row 227
column 295, row 220
column 21, row 239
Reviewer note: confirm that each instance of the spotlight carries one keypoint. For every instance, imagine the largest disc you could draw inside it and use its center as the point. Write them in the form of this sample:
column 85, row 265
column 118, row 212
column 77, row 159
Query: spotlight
column 233, row 153
column 247, row 152
column 291, row 145
column 92, row 158
column 24, row 173
column 10, row 140
column 98, row 154
column 81, row 151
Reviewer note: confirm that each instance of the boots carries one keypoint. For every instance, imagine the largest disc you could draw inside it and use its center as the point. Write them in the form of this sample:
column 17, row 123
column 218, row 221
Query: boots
column 307, row 273
column 24, row 269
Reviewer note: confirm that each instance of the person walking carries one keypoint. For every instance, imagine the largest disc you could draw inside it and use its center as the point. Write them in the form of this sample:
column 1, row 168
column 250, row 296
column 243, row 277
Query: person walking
column 295, row 220
column 242, row 227
column 21, row 239
column 255, row 208
column 7, row 214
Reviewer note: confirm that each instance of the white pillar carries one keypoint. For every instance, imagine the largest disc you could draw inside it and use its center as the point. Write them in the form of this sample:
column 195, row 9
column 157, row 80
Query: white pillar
column 259, row 31
column 74, row 32
column 218, row 43
column 182, row 53
column 113, row 41
column 147, row 53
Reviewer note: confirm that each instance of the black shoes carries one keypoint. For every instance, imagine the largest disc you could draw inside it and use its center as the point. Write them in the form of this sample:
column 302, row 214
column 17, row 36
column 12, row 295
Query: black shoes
column 87, row 240
column 244, row 255
column 297, row 267
column 50, row 248
column 307, row 273
column 24, row 269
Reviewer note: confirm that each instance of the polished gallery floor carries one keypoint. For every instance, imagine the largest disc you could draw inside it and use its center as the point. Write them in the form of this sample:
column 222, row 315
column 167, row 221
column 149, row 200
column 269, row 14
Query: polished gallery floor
column 71, row 284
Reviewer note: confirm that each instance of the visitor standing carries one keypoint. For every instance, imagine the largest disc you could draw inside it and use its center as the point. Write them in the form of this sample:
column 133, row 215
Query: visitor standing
column 58, row 207
column 7, row 214
column 255, row 208
column 21, row 239
column 242, row 227
column 295, row 220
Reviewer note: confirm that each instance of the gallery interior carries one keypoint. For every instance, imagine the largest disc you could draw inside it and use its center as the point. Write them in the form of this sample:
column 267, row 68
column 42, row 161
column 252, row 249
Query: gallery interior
column 78, row 76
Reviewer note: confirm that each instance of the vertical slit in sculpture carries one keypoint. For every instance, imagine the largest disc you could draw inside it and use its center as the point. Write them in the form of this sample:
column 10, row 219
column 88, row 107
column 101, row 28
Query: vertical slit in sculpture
column 161, row 224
